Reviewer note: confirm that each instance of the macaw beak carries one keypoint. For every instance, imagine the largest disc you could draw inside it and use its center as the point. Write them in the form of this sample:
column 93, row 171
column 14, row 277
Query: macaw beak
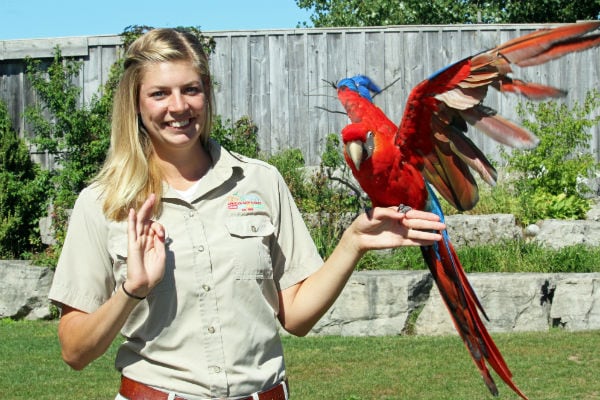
column 354, row 150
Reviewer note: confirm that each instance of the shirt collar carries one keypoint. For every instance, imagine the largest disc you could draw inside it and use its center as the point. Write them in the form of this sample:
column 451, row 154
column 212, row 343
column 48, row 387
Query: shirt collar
column 224, row 167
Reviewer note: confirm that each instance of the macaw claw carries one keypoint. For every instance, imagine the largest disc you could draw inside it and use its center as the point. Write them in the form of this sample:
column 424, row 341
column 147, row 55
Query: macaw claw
column 402, row 208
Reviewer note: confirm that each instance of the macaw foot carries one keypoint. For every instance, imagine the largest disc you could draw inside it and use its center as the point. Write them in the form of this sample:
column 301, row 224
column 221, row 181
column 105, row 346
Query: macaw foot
column 404, row 208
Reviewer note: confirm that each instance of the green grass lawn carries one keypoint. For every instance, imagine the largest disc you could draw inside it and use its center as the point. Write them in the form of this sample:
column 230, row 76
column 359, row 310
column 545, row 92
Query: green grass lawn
column 550, row 365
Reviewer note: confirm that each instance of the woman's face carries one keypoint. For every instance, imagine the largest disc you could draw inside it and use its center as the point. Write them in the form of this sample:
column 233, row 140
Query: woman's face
column 172, row 105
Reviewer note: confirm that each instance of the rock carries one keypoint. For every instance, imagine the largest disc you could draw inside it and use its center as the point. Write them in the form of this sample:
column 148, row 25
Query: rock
column 557, row 234
column 576, row 303
column 513, row 303
column 531, row 230
column 594, row 212
column 47, row 231
column 472, row 230
column 382, row 302
column 24, row 290
column 375, row 303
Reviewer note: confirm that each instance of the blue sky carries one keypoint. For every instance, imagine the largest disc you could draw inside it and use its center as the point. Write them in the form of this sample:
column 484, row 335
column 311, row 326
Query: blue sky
column 24, row 19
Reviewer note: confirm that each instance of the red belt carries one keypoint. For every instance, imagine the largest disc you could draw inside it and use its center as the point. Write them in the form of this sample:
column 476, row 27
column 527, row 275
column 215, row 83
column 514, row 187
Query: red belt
column 133, row 390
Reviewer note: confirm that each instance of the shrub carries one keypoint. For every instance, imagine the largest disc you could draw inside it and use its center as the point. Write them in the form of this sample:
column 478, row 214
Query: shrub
column 549, row 181
column 290, row 163
column 239, row 136
column 76, row 135
column 326, row 196
column 22, row 194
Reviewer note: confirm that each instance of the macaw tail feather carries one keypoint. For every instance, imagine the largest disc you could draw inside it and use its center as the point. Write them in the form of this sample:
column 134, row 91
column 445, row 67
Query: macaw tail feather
column 464, row 307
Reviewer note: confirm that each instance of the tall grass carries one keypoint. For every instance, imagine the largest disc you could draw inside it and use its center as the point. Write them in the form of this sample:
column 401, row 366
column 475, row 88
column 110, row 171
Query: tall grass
column 510, row 256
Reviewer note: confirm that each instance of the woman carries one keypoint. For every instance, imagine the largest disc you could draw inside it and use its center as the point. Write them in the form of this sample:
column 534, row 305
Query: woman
column 194, row 253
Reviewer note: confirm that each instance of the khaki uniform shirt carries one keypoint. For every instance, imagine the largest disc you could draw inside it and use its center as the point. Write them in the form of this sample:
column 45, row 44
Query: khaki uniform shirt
column 209, row 328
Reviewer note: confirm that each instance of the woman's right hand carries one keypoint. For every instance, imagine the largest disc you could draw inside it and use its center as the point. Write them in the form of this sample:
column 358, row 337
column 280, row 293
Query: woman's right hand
column 146, row 250
column 86, row 336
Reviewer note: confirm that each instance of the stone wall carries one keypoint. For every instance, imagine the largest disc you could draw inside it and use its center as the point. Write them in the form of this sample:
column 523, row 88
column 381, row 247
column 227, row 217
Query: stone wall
column 376, row 303
column 396, row 302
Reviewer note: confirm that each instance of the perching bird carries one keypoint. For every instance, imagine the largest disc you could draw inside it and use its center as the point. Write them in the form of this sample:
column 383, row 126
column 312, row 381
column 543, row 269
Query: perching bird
column 395, row 166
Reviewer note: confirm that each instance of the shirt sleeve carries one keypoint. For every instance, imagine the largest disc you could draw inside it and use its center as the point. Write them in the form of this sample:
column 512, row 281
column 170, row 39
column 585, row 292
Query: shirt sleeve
column 83, row 278
column 295, row 257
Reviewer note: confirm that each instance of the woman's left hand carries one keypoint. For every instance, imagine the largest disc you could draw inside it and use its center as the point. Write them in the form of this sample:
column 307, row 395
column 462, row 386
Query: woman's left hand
column 383, row 228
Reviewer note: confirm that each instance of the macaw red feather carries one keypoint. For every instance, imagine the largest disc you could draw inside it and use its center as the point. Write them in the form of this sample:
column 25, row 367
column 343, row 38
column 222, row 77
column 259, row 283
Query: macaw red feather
column 532, row 91
column 547, row 44
column 395, row 164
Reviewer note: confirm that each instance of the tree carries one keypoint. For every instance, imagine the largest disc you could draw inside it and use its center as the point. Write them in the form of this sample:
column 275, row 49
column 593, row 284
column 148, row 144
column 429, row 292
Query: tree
column 328, row 13
column 22, row 193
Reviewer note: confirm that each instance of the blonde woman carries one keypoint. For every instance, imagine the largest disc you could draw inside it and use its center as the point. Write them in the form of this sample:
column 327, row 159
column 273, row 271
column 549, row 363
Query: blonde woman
column 194, row 254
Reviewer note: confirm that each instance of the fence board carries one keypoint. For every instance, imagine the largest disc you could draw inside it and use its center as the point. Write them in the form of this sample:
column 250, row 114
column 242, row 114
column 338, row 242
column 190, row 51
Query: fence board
column 297, row 96
column 278, row 77
column 42, row 48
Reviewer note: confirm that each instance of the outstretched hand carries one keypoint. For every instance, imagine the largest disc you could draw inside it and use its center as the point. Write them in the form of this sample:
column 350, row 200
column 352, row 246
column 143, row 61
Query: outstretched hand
column 385, row 228
column 146, row 250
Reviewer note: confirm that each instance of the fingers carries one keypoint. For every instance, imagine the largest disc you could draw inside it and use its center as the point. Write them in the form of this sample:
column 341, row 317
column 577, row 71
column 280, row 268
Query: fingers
column 159, row 243
column 423, row 223
column 140, row 222
column 420, row 227
column 423, row 237
column 414, row 219
column 144, row 214
column 158, row 229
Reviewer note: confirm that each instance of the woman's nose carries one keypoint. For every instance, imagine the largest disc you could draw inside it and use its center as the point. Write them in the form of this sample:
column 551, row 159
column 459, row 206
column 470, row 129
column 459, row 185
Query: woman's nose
column 177, row 103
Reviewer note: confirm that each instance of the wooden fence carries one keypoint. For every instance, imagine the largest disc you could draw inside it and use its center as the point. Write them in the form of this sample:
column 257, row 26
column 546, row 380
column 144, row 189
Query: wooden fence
column 279, row 77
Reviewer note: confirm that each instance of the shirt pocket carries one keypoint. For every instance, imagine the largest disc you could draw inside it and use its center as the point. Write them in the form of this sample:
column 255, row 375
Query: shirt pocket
column 118, row 250
column 251, row 237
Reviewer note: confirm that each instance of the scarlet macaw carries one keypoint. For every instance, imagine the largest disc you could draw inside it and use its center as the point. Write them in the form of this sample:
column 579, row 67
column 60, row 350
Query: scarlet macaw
column 396, row 165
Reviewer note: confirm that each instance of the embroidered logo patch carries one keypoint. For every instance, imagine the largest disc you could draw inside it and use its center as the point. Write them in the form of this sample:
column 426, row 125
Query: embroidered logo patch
column 249, row 202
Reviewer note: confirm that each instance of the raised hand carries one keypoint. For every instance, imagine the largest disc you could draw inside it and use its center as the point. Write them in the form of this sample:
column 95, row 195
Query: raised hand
column 146, row 250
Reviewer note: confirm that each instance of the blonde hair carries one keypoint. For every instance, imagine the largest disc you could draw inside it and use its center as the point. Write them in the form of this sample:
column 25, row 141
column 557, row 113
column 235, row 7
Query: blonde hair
column 130, row 173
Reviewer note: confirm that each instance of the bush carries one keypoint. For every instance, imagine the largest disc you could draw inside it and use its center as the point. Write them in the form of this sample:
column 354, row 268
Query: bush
column 326, row 196
column 550, row 180
column 22, row 194
column 239, row 137
column 76, row 135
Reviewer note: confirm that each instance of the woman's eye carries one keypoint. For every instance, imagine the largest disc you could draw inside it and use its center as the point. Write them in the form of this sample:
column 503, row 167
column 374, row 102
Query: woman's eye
column 157, row 94
column 193, row 90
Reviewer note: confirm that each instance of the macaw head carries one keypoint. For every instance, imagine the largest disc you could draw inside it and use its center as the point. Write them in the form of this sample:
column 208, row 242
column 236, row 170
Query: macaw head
column 361, row 84
column 359, row 144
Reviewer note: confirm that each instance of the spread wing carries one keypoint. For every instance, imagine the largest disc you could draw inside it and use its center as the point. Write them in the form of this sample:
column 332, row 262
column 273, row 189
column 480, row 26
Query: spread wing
column 440, row 108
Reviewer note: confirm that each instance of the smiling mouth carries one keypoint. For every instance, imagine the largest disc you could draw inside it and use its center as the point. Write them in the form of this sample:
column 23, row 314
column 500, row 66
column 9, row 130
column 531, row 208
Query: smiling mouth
column 179, row 124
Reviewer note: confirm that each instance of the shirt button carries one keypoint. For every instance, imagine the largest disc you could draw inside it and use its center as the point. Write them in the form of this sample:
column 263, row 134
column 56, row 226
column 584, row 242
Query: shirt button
column 254, row 228
column 215, row 369
column 200, row 248
column 206, row 288
column 192, row 213
column 211, row 329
